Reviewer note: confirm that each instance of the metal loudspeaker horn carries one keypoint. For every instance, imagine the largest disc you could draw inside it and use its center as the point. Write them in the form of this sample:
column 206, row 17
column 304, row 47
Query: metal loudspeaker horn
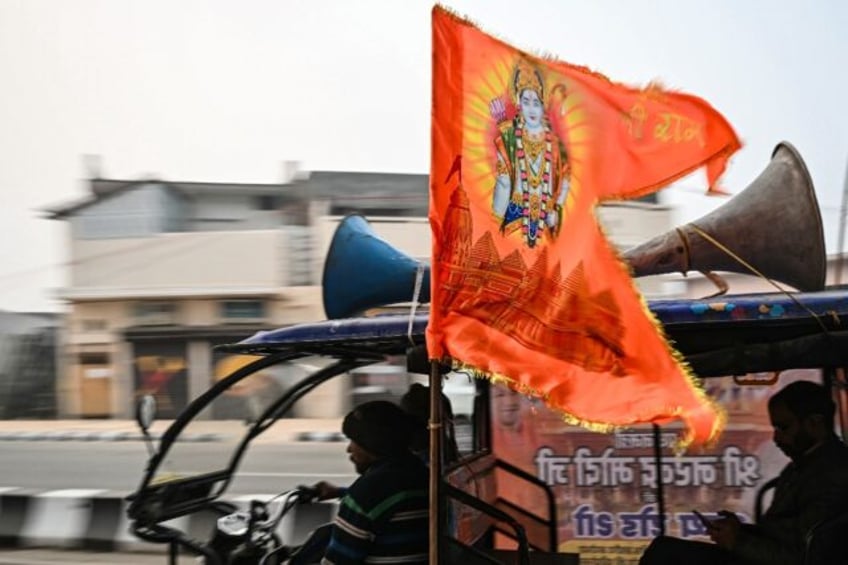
column 363, row 271
column 774, row 225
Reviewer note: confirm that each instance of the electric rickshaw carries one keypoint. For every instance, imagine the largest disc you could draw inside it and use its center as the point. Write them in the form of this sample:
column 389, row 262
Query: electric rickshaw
column 738, row 335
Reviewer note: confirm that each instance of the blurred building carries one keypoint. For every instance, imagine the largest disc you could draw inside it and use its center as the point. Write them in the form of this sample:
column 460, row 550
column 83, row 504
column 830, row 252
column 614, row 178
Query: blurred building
column 28, row 368
column 161, row 271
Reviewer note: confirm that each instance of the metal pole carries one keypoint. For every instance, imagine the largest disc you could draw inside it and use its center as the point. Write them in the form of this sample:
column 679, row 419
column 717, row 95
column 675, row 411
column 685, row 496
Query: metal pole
column 435, row 459
column 840, row 247
column 659, row 474
column 173, row 552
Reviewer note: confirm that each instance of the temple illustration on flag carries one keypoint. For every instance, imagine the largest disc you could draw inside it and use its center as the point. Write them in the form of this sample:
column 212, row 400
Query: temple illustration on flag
column 504, row 294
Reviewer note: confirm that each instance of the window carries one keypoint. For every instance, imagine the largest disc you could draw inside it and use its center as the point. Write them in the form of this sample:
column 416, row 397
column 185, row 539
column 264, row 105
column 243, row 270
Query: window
column 138, row 211
column 155, row 313
column 93, row 358
column 242, row 310
column 94, row 325
column 266, row 202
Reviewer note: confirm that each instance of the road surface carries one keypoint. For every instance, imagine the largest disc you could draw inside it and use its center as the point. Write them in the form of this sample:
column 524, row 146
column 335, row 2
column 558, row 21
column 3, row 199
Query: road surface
column 118, row 466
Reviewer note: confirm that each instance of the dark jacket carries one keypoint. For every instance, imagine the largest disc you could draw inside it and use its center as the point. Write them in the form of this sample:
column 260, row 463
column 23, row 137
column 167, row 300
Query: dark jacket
column 807, row 492
column 384, row 515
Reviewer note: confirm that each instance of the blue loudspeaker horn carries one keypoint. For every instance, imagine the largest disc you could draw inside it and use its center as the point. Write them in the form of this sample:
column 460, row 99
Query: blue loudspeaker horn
column 363, row 271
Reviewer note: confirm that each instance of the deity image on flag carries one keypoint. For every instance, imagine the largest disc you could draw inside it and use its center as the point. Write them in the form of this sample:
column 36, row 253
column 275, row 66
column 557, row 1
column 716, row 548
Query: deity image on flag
column 525, row 288
column 532, row 172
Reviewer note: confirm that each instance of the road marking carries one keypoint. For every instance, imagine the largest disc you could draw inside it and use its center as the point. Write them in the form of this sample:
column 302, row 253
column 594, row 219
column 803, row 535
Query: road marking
column 304, row 474
column 72, row 493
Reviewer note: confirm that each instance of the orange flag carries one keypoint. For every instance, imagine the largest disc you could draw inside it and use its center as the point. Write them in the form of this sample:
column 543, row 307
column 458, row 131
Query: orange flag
column 525, row 288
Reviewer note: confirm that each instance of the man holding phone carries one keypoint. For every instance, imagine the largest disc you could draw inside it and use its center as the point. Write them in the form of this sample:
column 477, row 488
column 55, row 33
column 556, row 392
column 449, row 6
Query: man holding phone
column 811, row 488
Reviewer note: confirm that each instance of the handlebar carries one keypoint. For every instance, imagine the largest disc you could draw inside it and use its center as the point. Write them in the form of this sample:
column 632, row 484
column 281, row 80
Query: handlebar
column 254, row 531
column 239, row 534
column 306, row 494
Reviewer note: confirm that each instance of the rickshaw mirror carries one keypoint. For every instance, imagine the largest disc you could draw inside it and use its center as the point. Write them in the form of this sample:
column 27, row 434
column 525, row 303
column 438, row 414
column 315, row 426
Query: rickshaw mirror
column 145, row 412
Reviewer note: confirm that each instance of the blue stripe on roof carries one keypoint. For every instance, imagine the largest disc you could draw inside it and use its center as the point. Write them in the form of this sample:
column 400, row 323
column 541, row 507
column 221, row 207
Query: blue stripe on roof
column 725, row 309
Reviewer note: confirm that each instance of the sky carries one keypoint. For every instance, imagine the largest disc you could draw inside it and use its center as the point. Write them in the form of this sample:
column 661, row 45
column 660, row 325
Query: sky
column 228, row 91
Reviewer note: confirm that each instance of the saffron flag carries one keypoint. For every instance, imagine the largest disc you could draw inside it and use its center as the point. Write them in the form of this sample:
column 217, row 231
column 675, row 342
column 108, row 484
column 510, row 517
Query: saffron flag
column 526, row 290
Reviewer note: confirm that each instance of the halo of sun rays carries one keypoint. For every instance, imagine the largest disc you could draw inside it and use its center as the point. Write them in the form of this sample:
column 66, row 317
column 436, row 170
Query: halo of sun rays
column 564, row 108
column 480, row 128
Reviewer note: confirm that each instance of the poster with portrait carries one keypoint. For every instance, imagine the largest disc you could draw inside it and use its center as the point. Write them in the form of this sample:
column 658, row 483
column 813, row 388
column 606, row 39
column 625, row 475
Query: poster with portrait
column 605, row 484
column 161, row 370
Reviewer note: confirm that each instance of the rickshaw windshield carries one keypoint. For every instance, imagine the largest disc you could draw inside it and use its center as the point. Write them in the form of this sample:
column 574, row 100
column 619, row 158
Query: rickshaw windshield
column 228, row 417
column 258, row 381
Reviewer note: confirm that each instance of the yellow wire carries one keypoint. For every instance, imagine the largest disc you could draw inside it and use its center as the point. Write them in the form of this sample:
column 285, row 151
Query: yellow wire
column 754, row 270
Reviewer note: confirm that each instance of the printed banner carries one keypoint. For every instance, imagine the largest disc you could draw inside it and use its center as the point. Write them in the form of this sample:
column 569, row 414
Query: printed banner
column 605, row 485
column 526, row 290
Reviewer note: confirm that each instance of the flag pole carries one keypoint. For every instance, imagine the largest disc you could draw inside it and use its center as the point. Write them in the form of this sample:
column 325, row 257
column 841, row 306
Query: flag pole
column 840, row 247
column 435, row 459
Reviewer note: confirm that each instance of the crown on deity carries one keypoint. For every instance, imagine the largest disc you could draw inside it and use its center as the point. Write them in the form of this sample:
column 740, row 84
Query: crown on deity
column 527, row 77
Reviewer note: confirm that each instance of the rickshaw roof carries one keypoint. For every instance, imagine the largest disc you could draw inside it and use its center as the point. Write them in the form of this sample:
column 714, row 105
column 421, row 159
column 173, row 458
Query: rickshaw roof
column 736, row 333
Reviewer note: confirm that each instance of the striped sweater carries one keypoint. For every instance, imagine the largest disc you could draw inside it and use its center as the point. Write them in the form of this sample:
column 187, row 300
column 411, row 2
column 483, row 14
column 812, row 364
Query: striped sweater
column 383, row 518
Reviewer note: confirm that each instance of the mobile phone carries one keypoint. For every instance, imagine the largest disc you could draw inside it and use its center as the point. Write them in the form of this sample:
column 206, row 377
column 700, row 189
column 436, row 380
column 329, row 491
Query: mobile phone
column 707, row 524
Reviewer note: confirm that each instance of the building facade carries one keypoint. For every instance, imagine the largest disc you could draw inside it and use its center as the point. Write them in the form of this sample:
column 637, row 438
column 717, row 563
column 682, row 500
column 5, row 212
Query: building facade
column 161, row 272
